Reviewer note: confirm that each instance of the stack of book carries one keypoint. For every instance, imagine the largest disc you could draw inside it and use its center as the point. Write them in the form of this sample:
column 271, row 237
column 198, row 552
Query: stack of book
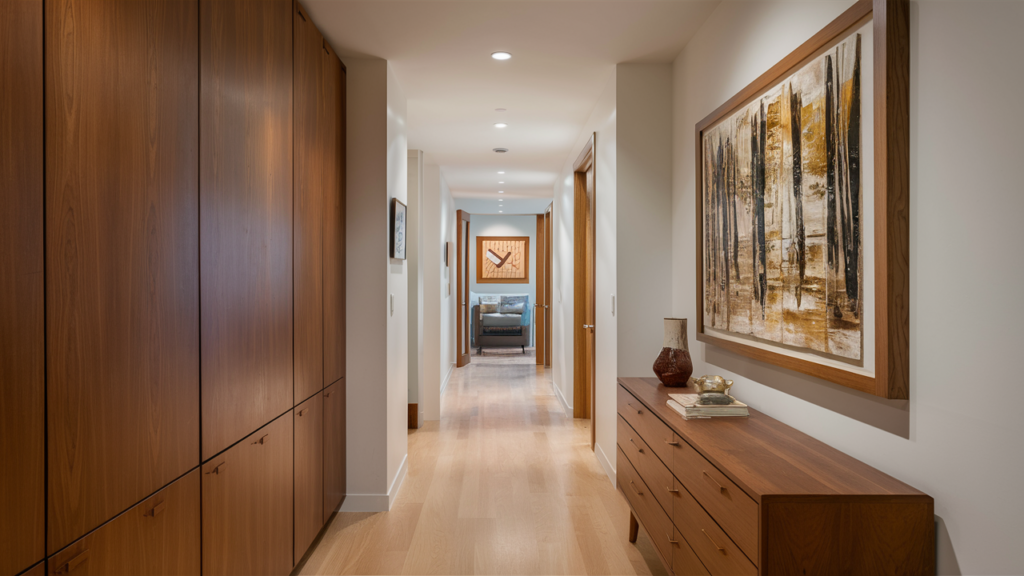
column 690, row 407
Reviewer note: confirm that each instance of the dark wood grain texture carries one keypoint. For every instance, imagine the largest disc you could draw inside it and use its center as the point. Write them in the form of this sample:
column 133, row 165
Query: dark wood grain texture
column 891, row 72
column 462, row 221
column 159, row 536
column 334, row 218
column 539, row 318
column 246, row 216
column 22, row 410
column 122, row 115
column 308, row 176
column 414, row 416
column 247, row 504
column 817, row 509
column 37, row 570
column 309, row 473
column 334, row 447
column 584, row 253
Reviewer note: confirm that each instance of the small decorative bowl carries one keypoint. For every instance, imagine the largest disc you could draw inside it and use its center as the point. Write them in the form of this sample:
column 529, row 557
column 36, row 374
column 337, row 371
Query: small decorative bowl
column 712, row 385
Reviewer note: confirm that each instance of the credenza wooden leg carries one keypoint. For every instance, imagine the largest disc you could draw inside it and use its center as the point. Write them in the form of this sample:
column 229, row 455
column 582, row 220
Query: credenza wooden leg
column 634, row 527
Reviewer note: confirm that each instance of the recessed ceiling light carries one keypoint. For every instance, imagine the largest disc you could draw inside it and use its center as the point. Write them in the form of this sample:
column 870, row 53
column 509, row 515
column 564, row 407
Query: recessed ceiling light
column 501, row 211
column 500, row 172
column 502, row 182
column 501, row 55
column 501, row 125
column 501, row 150
column 501, row 199
column 501, row 191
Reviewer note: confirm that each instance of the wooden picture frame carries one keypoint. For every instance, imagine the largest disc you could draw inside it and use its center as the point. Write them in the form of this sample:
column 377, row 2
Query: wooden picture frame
column 890, row 73
column 508, row 257
column 399, row 214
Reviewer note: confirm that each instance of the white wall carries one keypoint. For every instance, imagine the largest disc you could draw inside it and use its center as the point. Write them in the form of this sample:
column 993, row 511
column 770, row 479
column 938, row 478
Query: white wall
column 966, row 274
column 503, row 225
column 439, row 308
column 377, row 341
column 417, row 259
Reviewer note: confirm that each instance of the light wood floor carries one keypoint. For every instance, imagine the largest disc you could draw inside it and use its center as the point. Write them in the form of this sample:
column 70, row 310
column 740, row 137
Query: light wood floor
column 504, row 484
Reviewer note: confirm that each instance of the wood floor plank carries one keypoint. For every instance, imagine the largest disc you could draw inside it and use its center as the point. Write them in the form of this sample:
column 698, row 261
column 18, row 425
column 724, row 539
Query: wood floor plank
column 505, row 483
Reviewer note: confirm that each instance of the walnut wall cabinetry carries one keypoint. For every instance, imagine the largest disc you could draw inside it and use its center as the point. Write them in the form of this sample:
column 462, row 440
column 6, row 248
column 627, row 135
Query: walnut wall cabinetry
column 151, row 293
column 22, row 409
column 754, row 496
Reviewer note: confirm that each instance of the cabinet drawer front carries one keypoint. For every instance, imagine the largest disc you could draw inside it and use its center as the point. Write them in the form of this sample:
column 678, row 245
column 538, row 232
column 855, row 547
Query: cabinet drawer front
column 657, row 435
column 731, row 507
column 655, row 474
column 711, row 544
column 158, row 536
column 655, row 521
column 684, row 560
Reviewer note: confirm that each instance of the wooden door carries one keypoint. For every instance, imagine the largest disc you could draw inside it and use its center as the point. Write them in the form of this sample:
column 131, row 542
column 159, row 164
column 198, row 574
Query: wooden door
column 462, row 291
column 247, row 504
column 159, row 536
column 583, row 287
column 334, row 218
column 548, row 293
column 22, row 385
column 122, row 255
column 246, row 217
column 540, row 314
column 334, row 447
column 309, row 473
column 310, row 137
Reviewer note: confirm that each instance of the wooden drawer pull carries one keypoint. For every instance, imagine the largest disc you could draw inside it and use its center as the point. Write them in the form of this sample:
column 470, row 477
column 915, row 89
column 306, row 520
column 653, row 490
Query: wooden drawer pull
column 303, row 412
column 672, row 490
column 720, row 549
column 671, row 541
column 638, row 448
column 262, row 440
column 157, row 510
column 327, row 394
column 74, row 562
column 218, row 469
column 708, row 476
column 638, row 411
column 633, row 486
column 672, row 442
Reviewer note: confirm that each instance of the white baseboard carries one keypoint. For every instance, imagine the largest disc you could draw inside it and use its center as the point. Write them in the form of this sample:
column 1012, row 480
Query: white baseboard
column 605, row 463
column 566, row 407
column 378, row 502
column 447, row 377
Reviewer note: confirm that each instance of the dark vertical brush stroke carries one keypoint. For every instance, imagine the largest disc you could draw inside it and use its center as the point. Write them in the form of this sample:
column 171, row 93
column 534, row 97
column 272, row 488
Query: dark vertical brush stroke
column 723, row 225
column 853, row 144
column 830, row 157
column 762, row 267
column 753, row 202
column 733, row 185
column 795, row 108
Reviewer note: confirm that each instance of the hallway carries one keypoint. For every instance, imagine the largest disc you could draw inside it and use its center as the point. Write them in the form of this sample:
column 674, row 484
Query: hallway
column 503, row 484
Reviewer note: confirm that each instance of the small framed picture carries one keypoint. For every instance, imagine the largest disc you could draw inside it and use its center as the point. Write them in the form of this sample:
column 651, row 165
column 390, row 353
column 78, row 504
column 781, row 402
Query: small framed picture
column 447, row 249
column 398, row 215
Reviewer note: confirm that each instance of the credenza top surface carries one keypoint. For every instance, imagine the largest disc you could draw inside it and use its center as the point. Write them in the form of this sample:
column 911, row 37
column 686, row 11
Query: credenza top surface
column 766, row 457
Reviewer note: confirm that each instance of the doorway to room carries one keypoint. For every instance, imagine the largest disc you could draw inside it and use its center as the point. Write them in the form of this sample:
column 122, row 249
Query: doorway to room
column 583, row 286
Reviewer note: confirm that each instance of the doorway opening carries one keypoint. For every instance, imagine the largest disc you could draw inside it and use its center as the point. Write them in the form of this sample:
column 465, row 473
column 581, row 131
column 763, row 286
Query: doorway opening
column 583, row 285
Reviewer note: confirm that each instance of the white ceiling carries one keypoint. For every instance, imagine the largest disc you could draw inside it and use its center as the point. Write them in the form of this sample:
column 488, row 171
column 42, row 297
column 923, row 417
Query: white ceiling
column 562, row 55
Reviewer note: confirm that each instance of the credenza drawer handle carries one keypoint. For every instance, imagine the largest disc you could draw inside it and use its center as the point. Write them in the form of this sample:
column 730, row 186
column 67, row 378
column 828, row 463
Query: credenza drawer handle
column 672, row 490
column 638, row 448
column 672, row 442
column 671, row 541
column 708, row 476
column 74, row 562
column 303, row 412
column 262, row 440
column 327, row 394
column 720, row 549
column 157, row 509
column 218, row 469
column 633, row 486
column 638, row 411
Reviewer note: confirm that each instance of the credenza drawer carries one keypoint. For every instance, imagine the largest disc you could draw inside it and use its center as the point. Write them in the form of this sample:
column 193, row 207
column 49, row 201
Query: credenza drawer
column 654, row 520
column 718, row 553
column 653, row 472
column 657, row 435
column 731, row 507
column 684, row 560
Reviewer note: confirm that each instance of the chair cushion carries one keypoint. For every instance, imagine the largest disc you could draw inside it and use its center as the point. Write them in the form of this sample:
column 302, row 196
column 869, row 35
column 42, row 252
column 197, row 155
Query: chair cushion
column 500, row 320
column 513, row 304
column 489, row 304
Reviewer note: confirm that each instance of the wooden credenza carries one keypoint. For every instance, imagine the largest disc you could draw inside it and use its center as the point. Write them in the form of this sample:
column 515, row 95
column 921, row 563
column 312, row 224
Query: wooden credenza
column 754, row 496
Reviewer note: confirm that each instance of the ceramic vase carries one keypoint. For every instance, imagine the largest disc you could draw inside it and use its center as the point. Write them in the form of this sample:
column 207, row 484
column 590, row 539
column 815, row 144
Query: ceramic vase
column 673, row 366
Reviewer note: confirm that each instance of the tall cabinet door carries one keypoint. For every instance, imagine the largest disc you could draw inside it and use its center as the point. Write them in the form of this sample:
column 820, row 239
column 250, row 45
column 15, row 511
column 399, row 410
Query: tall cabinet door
column 309, row 473
column 334, row 217
column 246, row 216
column 122, row 246
column 22, row 417
column 308, row 177
column 334, row 447
column 247, row 504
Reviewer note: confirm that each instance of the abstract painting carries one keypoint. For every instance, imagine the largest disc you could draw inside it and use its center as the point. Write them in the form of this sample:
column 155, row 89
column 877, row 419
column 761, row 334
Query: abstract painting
column 781, row 190
column 398, row 216
column 503, row 259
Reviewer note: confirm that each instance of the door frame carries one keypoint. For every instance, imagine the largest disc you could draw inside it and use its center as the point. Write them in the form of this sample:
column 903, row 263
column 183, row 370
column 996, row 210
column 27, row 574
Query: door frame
column 547, row 287
column 584, row 257
column 462, row 290
column 540, row 309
